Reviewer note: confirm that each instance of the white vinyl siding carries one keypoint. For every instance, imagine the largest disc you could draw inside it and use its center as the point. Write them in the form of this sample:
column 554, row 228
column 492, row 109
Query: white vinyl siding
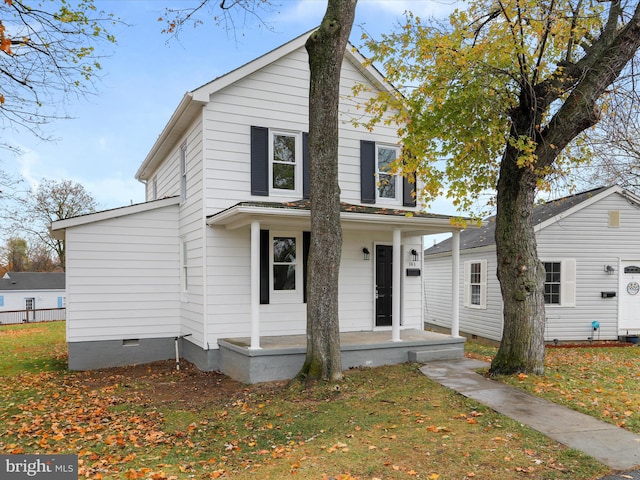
column 276, row 97
column 123, row 277
column 584, row 243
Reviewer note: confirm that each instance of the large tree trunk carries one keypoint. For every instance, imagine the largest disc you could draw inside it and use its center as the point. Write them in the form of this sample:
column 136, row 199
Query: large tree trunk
column 520, row 272
column 326, row 48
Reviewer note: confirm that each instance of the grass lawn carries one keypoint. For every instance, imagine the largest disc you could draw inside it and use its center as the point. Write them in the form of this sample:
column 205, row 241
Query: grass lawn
column 153, row 422
column 601, row 382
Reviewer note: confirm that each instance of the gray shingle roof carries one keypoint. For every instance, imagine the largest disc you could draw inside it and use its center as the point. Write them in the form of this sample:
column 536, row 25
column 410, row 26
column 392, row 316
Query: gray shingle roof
column 32, row 281
column 485, row 235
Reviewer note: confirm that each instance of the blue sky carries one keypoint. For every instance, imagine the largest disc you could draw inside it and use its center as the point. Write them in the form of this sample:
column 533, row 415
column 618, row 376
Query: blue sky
column 147, row 73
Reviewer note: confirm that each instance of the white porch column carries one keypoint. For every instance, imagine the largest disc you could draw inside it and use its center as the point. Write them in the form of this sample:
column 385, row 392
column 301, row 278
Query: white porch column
column 395, row 285
column 455, row 284
column 255, row 285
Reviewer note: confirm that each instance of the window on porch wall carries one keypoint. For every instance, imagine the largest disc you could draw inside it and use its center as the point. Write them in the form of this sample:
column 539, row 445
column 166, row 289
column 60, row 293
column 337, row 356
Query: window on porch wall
column 283, row 262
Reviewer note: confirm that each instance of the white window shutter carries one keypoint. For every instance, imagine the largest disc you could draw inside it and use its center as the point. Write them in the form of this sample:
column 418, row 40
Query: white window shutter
column 467, row 284
column 568, row 283
column 483, row 284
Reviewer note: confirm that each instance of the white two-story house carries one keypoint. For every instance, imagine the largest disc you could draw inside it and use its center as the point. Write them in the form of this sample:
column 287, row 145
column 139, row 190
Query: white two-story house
column 216, row 255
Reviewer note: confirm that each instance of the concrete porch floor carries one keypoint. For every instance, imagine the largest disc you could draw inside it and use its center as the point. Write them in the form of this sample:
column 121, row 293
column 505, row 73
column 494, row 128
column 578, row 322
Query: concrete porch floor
column 281, row 357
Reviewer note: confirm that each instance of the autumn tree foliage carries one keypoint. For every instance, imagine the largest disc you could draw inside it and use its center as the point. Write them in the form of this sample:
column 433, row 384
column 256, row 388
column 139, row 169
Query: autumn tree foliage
column 50, row 201
column 48, row 51
column 499, row 99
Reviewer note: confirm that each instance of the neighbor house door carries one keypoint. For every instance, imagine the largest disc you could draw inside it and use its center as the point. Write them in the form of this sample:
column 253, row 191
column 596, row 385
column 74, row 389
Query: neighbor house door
column 384, row 276
column 629, row 298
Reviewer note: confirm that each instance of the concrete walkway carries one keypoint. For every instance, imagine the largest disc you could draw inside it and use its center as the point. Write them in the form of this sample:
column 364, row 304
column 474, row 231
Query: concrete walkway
column 611, row 445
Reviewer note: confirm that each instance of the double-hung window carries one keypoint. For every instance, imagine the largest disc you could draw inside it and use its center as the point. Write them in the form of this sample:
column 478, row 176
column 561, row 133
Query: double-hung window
column 560, row 282
column 286, row 162
column 475, row 284
column 387, row 181
column 286, row 266
column 552, row 283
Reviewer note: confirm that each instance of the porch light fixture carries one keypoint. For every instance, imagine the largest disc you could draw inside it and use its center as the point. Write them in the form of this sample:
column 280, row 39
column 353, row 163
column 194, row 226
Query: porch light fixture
column 365, row 253
column 609, row 270
column 414, row 255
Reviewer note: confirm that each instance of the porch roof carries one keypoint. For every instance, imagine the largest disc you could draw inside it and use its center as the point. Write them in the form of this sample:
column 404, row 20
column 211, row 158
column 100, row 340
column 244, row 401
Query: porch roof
column 352, row 216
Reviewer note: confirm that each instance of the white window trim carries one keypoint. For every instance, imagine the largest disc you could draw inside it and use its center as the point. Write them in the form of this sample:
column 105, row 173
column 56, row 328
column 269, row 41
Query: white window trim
column 184, row 266
column 567, row 282
column 396, row 178
column 483, row 284
column 298, row 165
column 286, row 296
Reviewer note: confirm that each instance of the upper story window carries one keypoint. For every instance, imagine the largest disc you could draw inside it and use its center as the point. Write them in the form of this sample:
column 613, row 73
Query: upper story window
column 387, row 182
column 378, row 184
column 154, row 188
column 183, row 172
column 279, row 162
column 285, row 162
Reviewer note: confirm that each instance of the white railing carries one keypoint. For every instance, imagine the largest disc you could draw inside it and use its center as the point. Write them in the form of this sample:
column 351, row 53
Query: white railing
column 10, row 317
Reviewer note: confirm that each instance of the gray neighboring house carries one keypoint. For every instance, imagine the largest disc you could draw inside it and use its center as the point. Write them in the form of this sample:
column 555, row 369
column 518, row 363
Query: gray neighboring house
column 32, row 290
column 590, row 246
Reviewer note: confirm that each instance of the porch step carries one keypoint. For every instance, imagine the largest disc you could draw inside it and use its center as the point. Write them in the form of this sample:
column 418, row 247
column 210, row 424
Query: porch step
column 442, row 352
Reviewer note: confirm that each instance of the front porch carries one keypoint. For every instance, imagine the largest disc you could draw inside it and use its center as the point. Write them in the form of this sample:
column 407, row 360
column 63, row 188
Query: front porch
column 281, row 357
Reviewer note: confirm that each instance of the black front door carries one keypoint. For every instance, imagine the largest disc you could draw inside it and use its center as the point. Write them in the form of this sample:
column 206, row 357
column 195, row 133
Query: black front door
column 384, row 276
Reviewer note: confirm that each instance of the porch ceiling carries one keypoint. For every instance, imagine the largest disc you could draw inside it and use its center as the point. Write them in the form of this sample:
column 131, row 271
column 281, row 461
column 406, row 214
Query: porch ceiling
column 297, row 214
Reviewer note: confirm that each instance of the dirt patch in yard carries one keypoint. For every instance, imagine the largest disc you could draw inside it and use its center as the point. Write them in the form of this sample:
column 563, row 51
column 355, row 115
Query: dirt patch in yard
column 160, row 383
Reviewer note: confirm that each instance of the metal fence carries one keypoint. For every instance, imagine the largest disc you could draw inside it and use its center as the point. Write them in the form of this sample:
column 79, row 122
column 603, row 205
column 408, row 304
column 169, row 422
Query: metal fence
column 31, row 316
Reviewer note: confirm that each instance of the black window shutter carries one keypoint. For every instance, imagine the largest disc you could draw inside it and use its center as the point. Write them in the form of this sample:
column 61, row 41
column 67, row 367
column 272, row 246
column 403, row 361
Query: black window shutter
column 367, row 171
column 306, row 189
column 408, row 190
column 264, row 266
column 260, row 161
column 306, row 243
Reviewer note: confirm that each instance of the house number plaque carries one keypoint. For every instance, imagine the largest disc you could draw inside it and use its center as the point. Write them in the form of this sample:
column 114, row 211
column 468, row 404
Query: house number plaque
column 633, row 288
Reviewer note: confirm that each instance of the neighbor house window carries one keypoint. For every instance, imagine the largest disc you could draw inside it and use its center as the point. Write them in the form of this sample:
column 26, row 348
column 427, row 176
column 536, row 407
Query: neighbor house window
column 30, row 303
column 552, row 283
column 286, row 162
column 475, row 284
column 387, row 182
column 183, row 172
column 560, row 282
column 1, row 301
